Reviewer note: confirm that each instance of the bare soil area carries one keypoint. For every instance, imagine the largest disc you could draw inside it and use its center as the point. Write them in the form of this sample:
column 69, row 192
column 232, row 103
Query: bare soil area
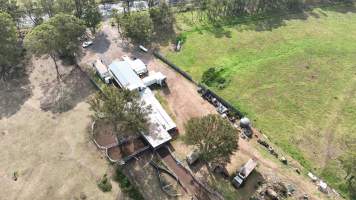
column 51, row 154
column 103, row 134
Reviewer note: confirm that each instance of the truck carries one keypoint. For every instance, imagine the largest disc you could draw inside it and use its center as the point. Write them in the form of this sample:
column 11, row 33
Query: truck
column 102, row 70
column 244, row 172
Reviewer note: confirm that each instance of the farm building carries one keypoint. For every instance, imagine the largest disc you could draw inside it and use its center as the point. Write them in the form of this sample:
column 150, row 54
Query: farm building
column 160, row 122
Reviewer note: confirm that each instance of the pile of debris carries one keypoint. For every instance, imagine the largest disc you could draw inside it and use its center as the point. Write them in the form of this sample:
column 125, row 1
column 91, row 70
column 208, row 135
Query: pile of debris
column 322, row 186
column 274, row 191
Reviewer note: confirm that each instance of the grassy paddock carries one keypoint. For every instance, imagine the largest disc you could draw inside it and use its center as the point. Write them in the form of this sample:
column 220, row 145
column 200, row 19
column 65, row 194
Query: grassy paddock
column 294, row 76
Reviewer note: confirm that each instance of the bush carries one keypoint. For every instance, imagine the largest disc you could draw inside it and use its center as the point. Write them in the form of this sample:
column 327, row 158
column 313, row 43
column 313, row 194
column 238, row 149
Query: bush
column 213, row 77
column 182, row 38
column 126, row 186
column 104, row 184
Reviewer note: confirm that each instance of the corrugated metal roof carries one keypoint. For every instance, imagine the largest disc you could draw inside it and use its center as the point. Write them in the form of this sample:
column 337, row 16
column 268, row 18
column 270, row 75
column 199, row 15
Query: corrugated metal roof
column 125, row 76
column 160, row 121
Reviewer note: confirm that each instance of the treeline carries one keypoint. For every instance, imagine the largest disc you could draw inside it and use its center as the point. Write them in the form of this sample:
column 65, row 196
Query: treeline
column 59, row 26
column 221, row 9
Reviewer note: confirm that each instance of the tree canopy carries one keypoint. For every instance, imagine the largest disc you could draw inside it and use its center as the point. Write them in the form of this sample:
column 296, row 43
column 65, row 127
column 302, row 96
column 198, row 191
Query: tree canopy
column 9, row 51
column 123, row 109
column 214, row 137
column 162, row 17
column 136, row 26
column 57, row 36
column 92, row 17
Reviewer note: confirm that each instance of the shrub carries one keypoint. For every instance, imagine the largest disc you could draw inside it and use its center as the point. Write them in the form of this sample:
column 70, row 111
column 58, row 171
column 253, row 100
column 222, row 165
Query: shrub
column 126, row 185
column 213, row 77
column 104, row 184
column 182, row 38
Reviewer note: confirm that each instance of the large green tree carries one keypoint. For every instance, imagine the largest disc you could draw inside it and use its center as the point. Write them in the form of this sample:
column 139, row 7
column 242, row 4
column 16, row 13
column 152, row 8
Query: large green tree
column 123, row 109
column 215, row 138
column 9, row 51
column 136, row 26
column 32, row 9
column 12, row 8
column 57, row 36
column 162, row 17
column 91, row 17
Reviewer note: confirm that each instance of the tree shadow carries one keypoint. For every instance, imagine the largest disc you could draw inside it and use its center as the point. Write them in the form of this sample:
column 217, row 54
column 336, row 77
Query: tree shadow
column 14, row 93
column 101, row 43
column 64, row 96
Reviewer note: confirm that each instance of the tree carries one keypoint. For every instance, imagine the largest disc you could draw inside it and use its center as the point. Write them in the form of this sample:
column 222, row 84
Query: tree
column 70, row 29
column 348, row 162
column 9, row 51
column 47, row 7
column 123, row 109
column 32, row 10
column 214, row 137
column 64, row 6
column 162, row 17
column 54, row 37
column 11, row 7
column 137, row 26
column 92, row 17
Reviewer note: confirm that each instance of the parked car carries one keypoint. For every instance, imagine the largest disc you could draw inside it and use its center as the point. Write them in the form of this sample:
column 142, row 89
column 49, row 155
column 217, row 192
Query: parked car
column 87, row 43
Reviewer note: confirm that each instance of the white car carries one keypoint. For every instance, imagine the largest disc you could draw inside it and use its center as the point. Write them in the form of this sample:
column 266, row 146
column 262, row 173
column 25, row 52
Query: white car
column 87, row 43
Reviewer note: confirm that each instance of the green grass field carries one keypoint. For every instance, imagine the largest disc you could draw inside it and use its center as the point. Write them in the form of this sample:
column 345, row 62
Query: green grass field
column 295, row 77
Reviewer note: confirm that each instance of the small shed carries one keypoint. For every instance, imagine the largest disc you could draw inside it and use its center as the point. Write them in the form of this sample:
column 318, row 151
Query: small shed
column 154, row 78
column 137, row 65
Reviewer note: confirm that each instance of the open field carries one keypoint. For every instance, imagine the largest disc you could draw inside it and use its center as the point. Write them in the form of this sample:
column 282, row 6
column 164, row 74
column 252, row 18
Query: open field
column 295, row 76
column 50, row 153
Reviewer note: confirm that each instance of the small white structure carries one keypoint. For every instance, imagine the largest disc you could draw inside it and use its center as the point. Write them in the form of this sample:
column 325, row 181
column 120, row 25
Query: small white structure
column 137, row 65
column 323, row 187
column 102, row 70
column 154, row 78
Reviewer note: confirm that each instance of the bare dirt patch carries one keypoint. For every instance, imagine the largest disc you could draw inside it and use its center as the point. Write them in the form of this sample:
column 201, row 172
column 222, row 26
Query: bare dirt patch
column 52, row 154
column 103, row 134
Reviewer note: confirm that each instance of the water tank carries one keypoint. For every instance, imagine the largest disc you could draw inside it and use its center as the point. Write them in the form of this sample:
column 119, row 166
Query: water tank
column 245, row 122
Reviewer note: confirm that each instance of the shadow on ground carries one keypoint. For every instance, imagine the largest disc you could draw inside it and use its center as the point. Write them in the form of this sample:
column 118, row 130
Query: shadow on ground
column 14, row 93
column 101, row 43
column 65, row 95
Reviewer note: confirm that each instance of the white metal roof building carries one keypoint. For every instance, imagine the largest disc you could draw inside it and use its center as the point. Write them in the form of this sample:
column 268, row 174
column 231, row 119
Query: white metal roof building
column 137, row 65
column 160, row 121
column 125, row 76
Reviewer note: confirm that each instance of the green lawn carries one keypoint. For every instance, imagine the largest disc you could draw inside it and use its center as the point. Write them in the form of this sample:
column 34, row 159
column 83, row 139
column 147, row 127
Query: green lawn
column 296, row 78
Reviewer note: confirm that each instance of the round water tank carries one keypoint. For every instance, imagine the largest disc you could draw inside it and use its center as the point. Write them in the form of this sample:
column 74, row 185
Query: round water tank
column 245, row 122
